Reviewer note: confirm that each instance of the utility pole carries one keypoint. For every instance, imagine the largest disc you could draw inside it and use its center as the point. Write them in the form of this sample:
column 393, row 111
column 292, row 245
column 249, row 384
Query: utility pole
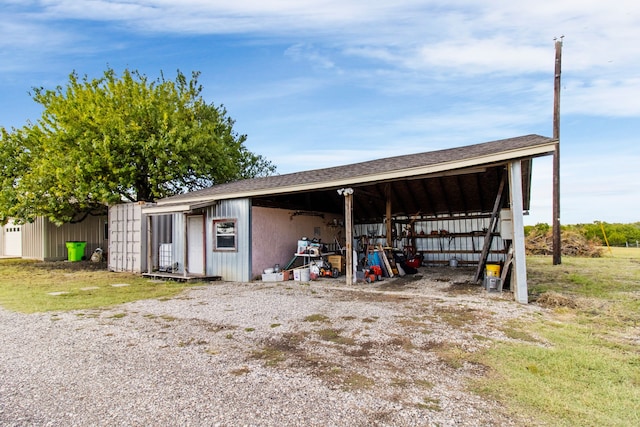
column 557, row 241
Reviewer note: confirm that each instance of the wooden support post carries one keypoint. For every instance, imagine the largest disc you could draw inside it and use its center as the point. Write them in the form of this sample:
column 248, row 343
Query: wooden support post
column 388, row 216
column 348, row 225
column 557, row 241
column 493, row 222
column 519, row 265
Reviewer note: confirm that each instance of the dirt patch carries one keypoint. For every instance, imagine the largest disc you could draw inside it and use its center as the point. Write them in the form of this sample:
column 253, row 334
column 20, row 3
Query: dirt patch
column 555, row 300
column 72, row 265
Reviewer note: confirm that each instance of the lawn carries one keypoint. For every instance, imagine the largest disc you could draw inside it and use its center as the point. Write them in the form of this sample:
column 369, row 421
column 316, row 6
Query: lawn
column 577, row 363
column 30, row 286
column 582, row 366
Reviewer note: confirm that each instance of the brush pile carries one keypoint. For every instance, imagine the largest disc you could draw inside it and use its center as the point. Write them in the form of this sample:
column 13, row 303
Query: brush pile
column 573, row 244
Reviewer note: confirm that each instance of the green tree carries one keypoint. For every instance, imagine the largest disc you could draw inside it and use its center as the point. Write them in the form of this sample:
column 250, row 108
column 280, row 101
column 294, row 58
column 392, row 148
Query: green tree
column 119, row 138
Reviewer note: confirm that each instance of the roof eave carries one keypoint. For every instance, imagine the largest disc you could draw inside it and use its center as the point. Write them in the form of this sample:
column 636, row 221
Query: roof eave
column 507, row 155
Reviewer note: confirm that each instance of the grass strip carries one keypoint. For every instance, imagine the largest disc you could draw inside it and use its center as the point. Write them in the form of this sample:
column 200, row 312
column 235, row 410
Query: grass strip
column 27, row 286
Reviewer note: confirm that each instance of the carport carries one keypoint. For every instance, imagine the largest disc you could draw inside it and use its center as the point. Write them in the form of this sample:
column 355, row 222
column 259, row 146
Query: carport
column 473, row 195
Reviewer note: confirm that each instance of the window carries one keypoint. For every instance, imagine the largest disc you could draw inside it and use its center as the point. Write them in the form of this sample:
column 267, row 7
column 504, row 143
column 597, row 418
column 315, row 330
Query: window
column 224, row 231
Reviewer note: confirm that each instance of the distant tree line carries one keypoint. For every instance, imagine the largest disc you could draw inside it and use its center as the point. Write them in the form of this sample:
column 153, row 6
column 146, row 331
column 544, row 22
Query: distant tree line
column 616, row 234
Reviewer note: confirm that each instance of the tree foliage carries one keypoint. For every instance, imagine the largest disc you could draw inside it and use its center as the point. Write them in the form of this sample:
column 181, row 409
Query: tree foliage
column 119, row 138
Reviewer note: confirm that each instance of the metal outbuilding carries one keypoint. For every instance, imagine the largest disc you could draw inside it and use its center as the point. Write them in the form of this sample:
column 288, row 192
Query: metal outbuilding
column 43, row 240
column 465, row 203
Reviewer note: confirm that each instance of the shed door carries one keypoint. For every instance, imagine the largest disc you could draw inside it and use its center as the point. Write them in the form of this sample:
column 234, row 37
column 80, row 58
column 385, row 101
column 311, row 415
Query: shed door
column 195, row 242
column 12, row 239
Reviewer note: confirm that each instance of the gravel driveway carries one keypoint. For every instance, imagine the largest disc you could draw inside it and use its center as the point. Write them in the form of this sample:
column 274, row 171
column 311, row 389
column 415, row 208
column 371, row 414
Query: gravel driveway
column 261, row 354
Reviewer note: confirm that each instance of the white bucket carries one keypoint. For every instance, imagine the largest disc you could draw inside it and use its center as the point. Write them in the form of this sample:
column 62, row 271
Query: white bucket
column 302, row 274
column 453, row 262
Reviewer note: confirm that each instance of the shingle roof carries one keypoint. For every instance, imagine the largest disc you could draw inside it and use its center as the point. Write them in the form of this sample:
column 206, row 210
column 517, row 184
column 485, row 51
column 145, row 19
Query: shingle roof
column 511, row 148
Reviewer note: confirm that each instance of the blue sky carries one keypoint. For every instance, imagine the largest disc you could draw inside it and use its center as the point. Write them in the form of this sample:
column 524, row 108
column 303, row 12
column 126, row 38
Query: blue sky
column 320, row 83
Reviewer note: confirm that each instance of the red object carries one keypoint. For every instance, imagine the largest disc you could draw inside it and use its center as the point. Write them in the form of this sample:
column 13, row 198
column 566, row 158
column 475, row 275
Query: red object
column 414, row 262
column 377, row 270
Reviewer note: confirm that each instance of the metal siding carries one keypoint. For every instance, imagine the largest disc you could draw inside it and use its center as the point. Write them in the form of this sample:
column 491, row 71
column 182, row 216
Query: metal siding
column 91, row 230
column 32, row 239
column 454, row 244
column 236, row 265
column 127, row 238
column 178, row 239
column 161, row 232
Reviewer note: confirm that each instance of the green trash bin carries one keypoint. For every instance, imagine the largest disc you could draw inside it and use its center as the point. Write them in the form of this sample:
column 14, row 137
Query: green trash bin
column 75, row 250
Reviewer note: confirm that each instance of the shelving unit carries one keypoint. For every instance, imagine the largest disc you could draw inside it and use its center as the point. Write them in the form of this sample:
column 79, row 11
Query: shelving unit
column 439, row 239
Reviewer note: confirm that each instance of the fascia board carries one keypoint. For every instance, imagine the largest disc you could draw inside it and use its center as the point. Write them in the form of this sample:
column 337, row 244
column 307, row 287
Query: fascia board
column 166, row 209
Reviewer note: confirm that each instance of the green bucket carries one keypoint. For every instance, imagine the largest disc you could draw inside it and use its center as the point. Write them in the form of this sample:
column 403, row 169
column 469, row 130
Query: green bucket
column 75, row 250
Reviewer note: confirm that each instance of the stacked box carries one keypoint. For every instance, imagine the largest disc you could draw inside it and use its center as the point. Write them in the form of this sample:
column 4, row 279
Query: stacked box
column 337, row 261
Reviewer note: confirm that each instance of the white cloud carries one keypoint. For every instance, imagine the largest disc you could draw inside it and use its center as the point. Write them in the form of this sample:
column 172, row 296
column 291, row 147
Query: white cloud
column 609, row 98
column 306, row 52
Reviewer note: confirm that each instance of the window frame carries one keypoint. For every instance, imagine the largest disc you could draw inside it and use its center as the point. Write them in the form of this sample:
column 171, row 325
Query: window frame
column 216, row 235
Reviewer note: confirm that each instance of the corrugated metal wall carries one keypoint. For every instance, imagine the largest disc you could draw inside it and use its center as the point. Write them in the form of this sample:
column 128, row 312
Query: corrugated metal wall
column 440, row 240
column 128, row 237
column 46, row 241
column 231, row 266
column 177, row 233
column 33, row 239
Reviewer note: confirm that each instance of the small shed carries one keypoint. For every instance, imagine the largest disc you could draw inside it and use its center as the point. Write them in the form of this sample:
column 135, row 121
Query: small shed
column 43, row 240
column 465, row 203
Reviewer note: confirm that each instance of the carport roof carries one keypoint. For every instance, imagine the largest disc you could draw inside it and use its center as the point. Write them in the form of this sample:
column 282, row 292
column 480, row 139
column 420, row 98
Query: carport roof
column 380, row 170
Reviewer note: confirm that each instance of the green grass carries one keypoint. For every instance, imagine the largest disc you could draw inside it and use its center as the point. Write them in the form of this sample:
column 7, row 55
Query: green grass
column 26, row 286
column 585, row 367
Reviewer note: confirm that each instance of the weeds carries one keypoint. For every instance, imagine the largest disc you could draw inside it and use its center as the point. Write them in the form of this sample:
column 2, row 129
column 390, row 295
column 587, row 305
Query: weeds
column 118, row 316
column 316, row 318
column 270, row 355
column 355, row 381
column 430, row 404
column 333, row 335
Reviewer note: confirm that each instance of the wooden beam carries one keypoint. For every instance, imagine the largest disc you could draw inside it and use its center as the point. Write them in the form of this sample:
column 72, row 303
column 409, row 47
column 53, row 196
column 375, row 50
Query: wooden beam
column 348, row 225
column 519, row 265
column 557, row 241
column 493, row 223
column 388, row 216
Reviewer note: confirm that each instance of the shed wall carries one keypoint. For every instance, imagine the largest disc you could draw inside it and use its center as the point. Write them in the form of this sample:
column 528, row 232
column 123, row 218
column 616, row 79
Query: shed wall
column 33, row 239
column 46, row 241
column 230, row 265
column 275, row 235
column 128, row 237
column 127, row 234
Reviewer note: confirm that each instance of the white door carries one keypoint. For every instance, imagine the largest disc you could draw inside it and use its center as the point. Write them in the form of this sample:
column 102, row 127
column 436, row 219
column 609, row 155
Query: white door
column 195, row 245
column 12, row 239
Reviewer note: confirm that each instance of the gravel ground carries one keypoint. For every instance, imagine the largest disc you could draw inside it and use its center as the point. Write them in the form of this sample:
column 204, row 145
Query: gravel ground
column 393, row 353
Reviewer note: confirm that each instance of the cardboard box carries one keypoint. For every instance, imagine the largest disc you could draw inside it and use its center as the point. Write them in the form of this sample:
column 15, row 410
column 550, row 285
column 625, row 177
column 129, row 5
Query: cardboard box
column 337, row 261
